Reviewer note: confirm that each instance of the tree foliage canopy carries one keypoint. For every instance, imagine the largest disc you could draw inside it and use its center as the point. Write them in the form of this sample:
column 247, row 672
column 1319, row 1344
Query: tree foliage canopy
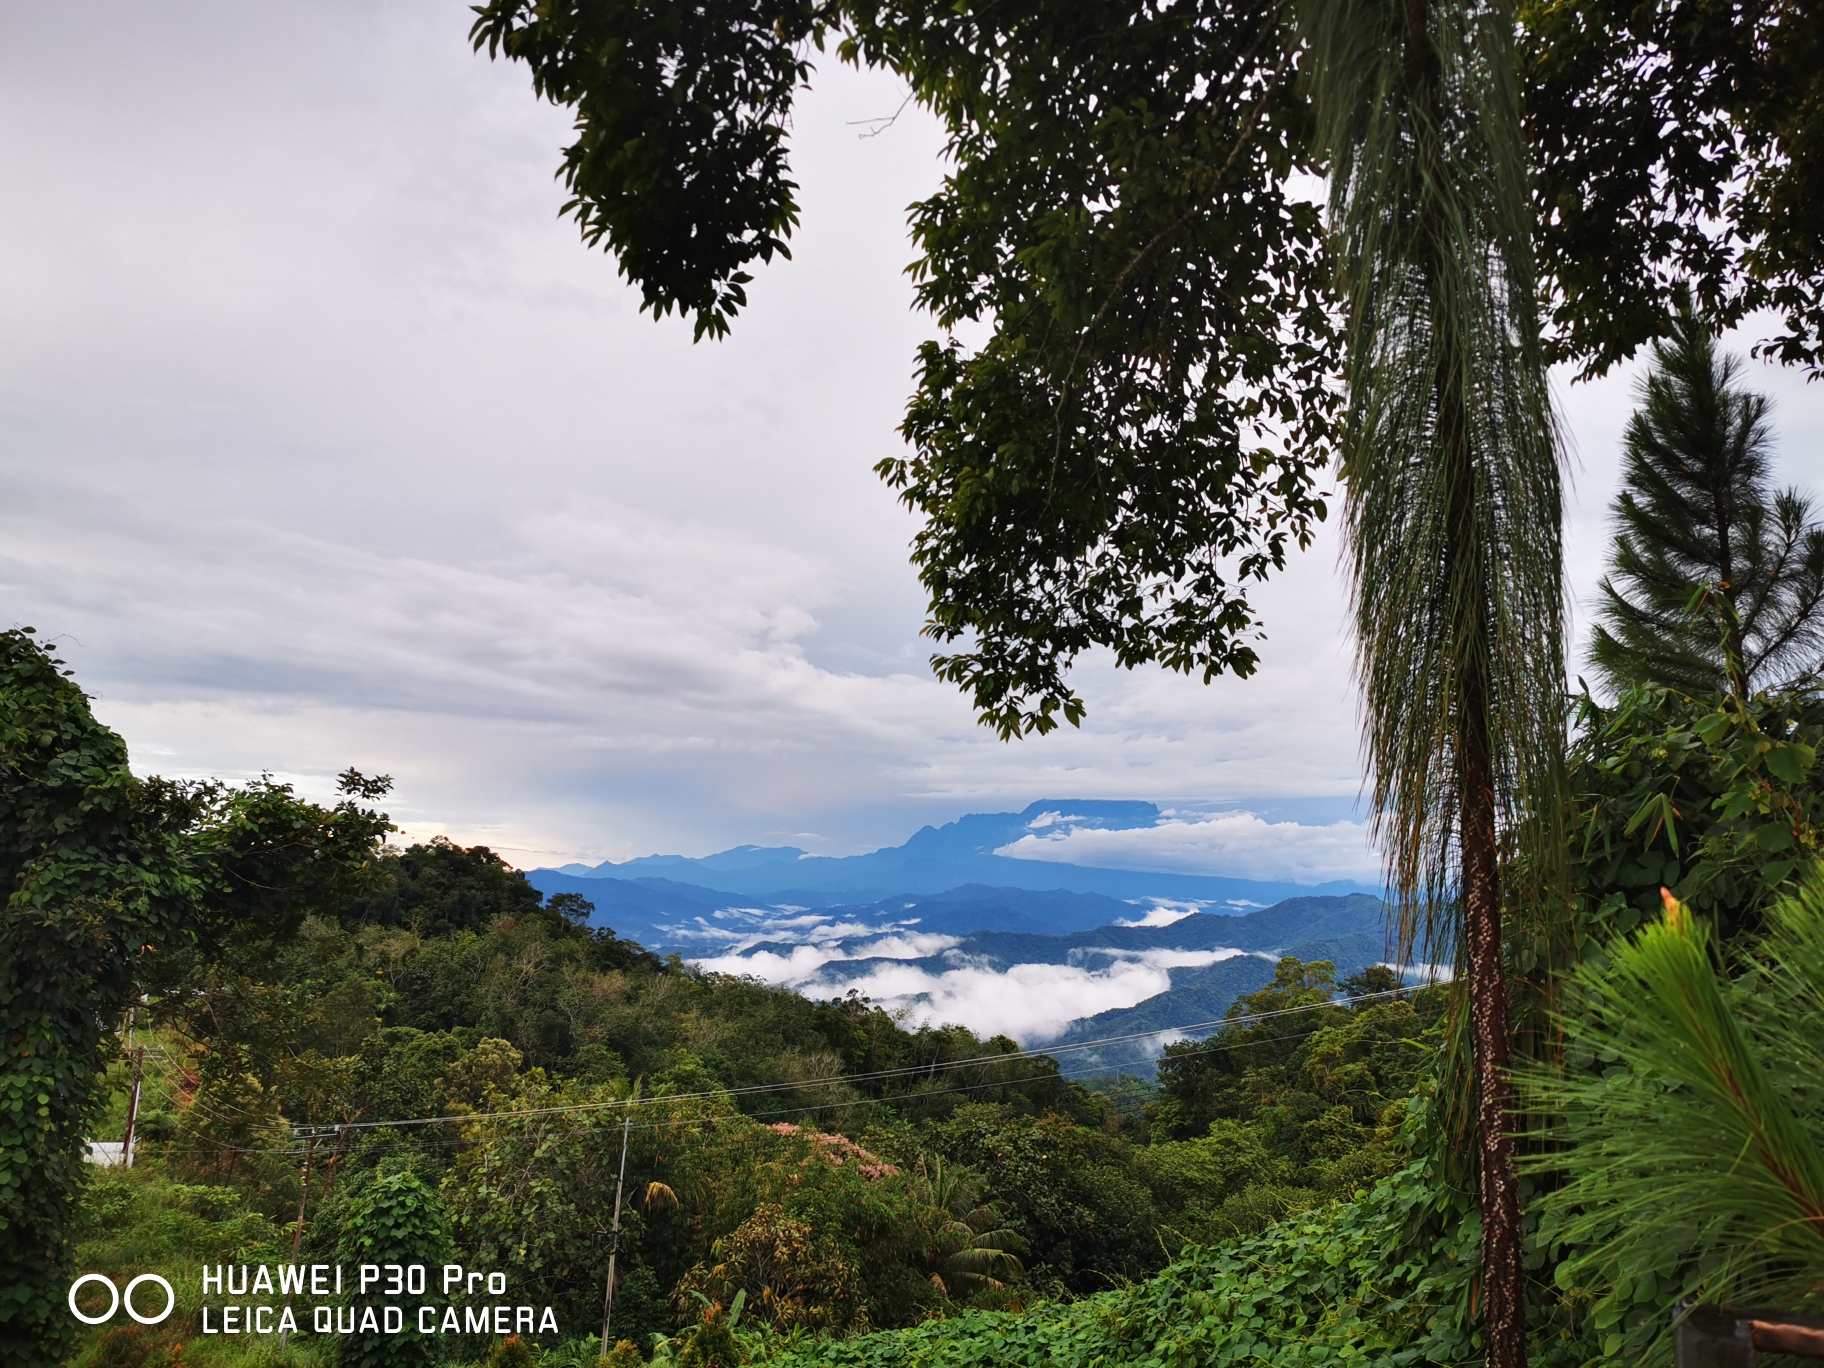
column 679, row 164
column 1676, row 143
column 1139, row 438
column 107, row 880
column 94, row 876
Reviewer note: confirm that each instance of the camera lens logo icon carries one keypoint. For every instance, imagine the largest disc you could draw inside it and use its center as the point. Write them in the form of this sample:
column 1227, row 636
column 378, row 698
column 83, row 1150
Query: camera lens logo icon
column 116, row 1298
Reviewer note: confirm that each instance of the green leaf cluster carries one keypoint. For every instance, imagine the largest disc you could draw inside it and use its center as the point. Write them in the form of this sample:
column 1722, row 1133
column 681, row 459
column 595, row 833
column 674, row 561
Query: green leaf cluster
column 397, row 1219
column 1711, row 797
column 106, row 880
column 92, row 875
column 141, row 1220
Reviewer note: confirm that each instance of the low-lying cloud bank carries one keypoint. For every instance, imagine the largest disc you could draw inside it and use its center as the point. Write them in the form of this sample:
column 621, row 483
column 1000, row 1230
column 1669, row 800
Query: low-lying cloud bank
column 1165, row 911
column 1032, row 1003
column 800, row 965
column 1239, row 844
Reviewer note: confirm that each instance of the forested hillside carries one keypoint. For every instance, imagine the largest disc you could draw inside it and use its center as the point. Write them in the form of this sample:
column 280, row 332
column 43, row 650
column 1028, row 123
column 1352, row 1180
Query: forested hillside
column 438, row 1063
column 1289, row 1191
column 452, row 1028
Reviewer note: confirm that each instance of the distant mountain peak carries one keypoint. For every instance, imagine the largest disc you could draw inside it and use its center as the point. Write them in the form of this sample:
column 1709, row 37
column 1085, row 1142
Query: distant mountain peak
column 982, row 833
column 980, row 848
column 1111, row 814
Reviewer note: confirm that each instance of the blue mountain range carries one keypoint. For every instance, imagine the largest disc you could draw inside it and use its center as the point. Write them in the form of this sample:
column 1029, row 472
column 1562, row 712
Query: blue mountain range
column 956, row 860
column 945, row 903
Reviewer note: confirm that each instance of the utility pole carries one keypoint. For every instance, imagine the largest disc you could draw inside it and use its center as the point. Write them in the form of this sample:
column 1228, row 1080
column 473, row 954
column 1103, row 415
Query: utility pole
column 297, row 1234
column 614, row 1237
column 139, row 1063
column 335, row 1154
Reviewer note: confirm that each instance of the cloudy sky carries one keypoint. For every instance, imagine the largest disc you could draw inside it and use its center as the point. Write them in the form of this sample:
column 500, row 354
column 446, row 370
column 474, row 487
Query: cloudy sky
column 324, row 442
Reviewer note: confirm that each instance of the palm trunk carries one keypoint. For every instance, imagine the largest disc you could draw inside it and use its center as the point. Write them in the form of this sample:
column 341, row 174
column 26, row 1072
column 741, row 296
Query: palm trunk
column 1503, row 1270
column 1453, row 515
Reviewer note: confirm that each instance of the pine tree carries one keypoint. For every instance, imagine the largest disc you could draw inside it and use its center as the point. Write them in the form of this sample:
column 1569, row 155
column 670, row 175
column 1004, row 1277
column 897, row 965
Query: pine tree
column 1692, row 1159
column 1716, row 581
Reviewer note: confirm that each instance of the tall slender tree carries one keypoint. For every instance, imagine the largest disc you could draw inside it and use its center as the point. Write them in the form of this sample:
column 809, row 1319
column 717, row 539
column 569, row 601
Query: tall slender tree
column 1716, row 579
column 1453, row 508
column 103, row 879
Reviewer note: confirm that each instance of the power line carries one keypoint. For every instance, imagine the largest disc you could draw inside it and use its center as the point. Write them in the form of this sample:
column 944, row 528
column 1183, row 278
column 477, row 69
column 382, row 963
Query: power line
column 877, row 1075
column 1085, row 1071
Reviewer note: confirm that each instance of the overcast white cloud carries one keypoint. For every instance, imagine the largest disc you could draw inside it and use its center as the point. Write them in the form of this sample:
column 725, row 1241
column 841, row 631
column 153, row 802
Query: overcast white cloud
column 324, row 442
column 1239, row 844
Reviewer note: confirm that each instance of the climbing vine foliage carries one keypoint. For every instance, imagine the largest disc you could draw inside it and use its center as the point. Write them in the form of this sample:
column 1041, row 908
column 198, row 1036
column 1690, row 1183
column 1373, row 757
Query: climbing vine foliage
column 396, row 1222
column 103, row 878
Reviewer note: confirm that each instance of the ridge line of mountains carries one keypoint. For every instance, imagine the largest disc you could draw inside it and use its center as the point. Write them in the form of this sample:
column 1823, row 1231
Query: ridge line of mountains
column 936, row 859
column 945, row 901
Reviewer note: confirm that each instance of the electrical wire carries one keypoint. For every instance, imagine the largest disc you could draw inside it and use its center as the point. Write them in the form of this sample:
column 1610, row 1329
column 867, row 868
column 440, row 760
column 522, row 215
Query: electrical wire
column 1082, row 1071
column 877, row 1075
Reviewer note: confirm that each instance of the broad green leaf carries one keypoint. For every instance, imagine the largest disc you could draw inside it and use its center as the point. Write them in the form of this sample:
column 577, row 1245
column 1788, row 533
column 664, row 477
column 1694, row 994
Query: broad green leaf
column 1712, row 728
column 1790, row 761
column 1774, row 836
column 1775, row 871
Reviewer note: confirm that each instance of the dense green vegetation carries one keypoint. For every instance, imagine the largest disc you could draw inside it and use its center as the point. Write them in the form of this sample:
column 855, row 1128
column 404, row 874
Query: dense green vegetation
column 835, row 1175
column 110, row 884
column 1713, row 798
column 842, row 1170
column 1374, row 1280
column 1689, row 1122
column 1296, row 1110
